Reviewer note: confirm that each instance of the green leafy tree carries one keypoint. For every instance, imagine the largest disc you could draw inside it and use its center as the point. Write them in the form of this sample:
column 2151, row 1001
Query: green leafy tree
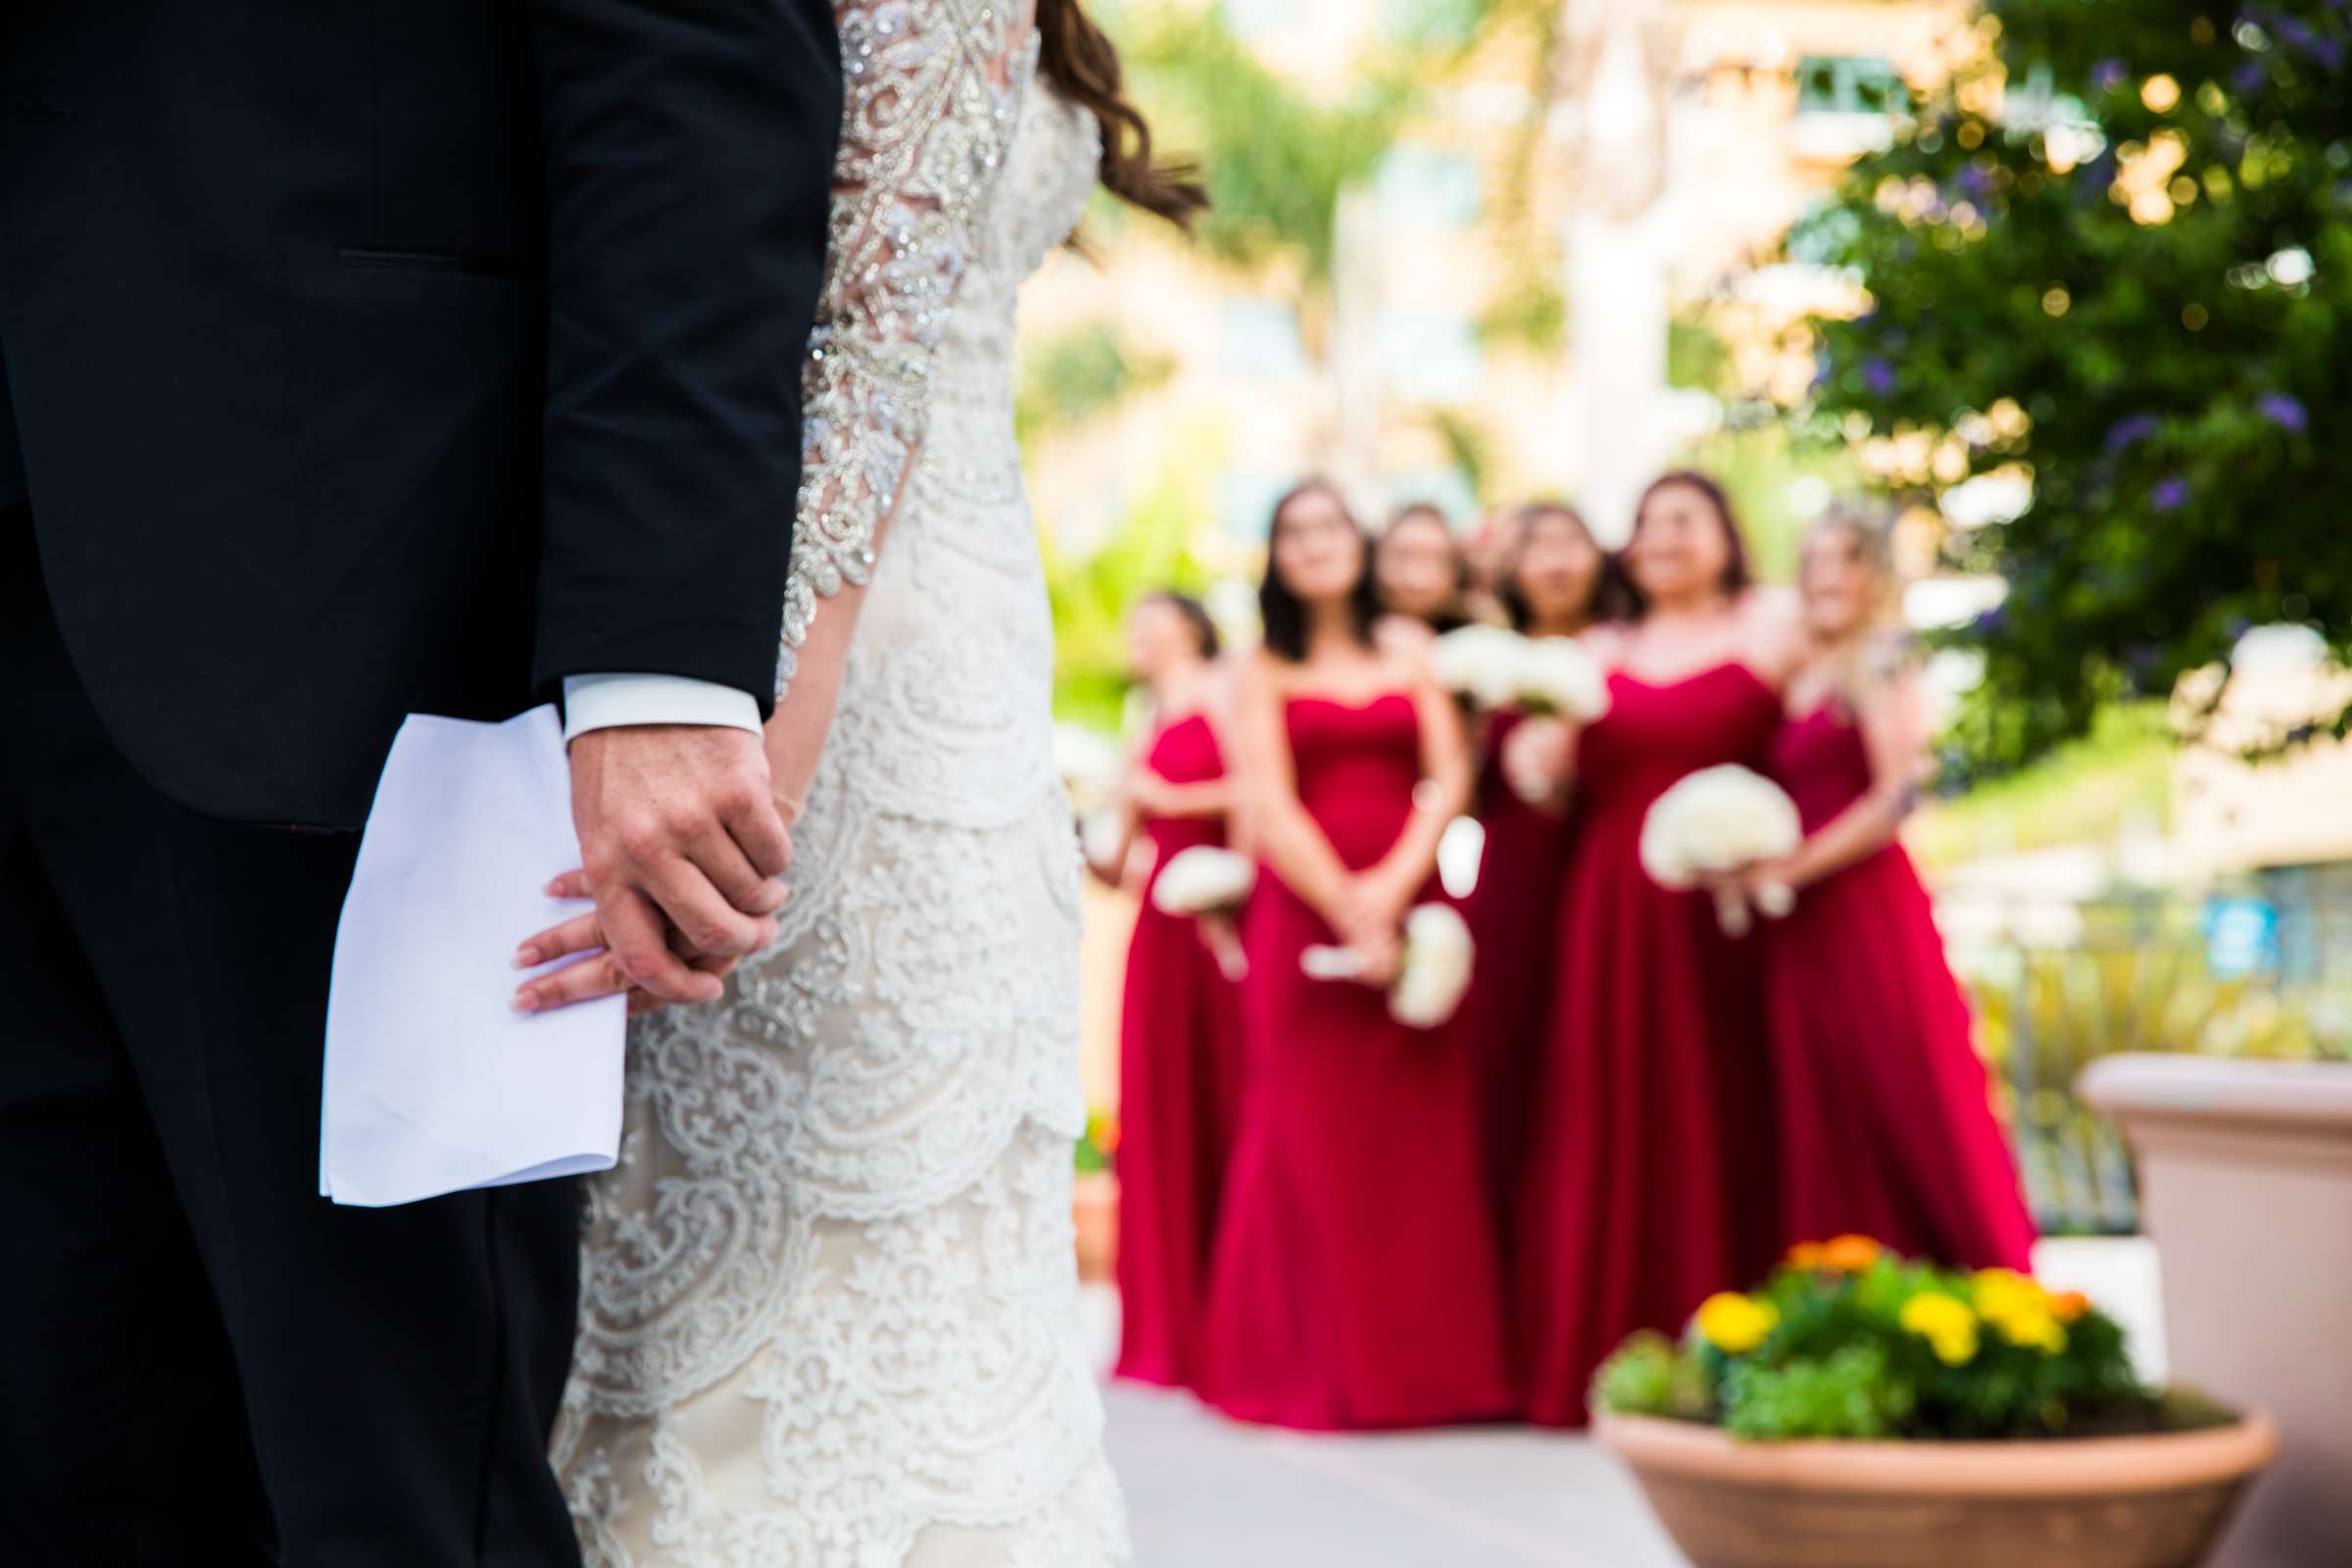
column 2113, row 254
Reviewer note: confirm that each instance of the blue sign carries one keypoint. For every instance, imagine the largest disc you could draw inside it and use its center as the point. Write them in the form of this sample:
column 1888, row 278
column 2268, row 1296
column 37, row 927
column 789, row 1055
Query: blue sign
column 2241, row 938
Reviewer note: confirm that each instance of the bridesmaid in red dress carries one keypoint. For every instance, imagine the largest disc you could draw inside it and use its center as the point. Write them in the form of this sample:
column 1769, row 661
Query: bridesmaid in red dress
column 1354, row 1283
column 1180, row 1037
column 1886, row 1128
column 1648, row 1174
column 1556, row 582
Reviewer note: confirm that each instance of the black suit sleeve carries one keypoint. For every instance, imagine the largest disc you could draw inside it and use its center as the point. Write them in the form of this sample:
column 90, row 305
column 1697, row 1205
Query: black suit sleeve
column 689, row 151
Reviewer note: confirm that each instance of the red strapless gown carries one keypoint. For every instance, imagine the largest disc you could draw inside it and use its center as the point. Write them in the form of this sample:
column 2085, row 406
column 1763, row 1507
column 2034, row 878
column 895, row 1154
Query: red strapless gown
column 1513, row 918
column 1886, row 1128
column 1180, row 1062
column 1649, row 1166
column 1355, row 1284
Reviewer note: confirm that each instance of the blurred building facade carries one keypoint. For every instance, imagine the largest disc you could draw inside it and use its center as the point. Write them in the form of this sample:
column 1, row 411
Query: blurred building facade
column 1445, row 364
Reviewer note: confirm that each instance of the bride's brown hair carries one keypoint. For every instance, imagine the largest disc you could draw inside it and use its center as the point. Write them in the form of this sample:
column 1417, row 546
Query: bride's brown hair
column 1084, row 66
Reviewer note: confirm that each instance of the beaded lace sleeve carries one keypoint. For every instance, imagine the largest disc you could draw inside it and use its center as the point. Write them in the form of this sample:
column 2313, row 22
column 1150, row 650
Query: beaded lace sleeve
column 932, row 88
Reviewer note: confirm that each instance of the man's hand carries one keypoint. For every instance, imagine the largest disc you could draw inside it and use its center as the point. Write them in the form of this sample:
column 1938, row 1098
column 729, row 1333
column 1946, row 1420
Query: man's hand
column 682, row 844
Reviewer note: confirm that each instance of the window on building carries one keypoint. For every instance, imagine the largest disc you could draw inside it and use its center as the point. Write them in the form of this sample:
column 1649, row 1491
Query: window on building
column 1846, row 104
column 1255, row 18
column 1427, row 356
column 1260, row 339
column 1848, row 85
column 1427, row 187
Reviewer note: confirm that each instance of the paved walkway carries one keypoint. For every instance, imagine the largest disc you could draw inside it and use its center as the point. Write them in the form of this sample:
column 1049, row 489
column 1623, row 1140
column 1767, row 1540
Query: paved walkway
column 1206, row 1492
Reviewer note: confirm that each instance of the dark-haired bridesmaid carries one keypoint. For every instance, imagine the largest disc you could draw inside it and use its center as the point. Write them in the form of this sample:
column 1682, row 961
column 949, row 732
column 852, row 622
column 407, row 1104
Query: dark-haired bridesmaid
column 1886, row 1128
column 1421, row 576
column 1180, row 1038
column 1648, row 1177
column 1354, row 1283
column 1556, row 581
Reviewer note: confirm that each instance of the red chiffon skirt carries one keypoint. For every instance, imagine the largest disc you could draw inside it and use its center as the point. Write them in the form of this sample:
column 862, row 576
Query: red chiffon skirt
column 1180, row 1064
column 1356, row 1279
column 1513, row 918
column 1886, row 1128
column 1648, row 1180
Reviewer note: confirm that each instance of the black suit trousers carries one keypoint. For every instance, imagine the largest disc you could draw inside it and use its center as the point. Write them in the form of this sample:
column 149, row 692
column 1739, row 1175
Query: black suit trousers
column 202, row 1362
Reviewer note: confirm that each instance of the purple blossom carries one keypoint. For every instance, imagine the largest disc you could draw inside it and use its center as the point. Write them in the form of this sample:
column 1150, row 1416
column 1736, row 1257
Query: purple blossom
column 2170, row 495
column 1878, row 375
column 2109, row 75
column 2249, row 78
column 1975, row 183
column 2283, row 411
column 2328, row 52
column 2127, row 432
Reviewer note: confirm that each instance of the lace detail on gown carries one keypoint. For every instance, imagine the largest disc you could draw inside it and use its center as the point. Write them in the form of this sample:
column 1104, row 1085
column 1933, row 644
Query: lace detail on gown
column 829, row 1296
column 931, row 90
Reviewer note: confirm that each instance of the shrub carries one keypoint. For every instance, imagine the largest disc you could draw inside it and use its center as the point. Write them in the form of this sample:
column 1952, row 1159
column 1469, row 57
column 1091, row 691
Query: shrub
column 1846, row 1340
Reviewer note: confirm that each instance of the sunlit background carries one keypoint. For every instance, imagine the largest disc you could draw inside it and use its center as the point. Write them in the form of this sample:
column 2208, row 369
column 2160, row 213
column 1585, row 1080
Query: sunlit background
column 2049, row 289
column 1413, row 198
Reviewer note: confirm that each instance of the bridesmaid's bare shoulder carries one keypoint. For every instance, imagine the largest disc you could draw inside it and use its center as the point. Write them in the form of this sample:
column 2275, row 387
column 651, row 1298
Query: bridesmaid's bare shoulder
column 1606, row 641
column 1772, row 633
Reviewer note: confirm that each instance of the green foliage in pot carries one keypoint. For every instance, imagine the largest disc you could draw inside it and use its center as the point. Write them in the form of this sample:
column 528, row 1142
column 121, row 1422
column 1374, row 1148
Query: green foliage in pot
column 1847, row 1340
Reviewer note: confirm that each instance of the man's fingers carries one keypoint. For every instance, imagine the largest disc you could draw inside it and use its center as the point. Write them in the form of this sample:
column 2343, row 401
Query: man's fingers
column 642, row 1002
column 758, row 829
column 641, row 944
column 719, row 858
column 703, row 916
column 583, row 981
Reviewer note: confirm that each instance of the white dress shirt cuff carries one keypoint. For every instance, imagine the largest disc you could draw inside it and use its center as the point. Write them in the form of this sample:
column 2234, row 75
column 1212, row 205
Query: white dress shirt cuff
column 607, row 702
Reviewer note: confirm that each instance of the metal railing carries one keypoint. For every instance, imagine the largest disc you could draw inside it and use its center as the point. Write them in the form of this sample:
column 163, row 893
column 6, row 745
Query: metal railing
column 2263, row 973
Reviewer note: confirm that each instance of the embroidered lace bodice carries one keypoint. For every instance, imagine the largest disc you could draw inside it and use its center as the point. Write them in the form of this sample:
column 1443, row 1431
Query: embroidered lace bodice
column 829, row 1296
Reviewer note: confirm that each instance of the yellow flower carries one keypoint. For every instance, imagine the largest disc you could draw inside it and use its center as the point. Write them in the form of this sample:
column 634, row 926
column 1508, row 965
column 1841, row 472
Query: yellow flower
column 1849, row 1254
column 1945, row 1322
column 2019, row 1309
column 1734, row 1324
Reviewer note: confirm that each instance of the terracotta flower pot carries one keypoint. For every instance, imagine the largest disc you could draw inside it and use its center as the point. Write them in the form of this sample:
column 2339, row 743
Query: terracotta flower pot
column 1094, row 1210
column 2245, row 1179
column 2101, row 1502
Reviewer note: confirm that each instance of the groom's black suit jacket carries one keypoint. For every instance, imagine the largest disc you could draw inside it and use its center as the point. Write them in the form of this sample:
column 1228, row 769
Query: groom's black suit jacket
column 377, row 356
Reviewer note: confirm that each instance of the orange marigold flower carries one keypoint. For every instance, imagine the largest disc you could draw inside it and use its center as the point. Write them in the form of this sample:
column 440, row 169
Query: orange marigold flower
column 1850, row 1254
column 2070, row 1306
column 1809, row 1255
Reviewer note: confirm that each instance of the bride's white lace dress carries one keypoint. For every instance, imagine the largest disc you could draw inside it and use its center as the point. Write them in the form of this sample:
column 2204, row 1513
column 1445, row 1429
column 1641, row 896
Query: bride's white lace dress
column 829, row 1303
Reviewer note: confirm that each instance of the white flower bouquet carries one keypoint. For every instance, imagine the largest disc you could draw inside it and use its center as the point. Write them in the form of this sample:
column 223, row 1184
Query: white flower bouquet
column 1478, row 662
column 1090, row 766
column 1210, row 885
column 1558, row 678
column 1714, row 824
column 1550, row 676
column 1204, row 880
column 1432, row 975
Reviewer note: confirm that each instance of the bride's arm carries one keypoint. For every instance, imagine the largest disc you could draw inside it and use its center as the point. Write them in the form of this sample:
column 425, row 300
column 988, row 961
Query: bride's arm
column 931, row 88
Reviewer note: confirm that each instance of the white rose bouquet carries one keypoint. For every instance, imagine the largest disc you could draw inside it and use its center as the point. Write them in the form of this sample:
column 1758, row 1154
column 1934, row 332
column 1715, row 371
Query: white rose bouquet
column 1433, row 972
column 1549, row 676
column 1556, row 677
column 1204, row 880
column 1711, row 826
column 1210, row 885
column 1090, row 766
column 1480, row 664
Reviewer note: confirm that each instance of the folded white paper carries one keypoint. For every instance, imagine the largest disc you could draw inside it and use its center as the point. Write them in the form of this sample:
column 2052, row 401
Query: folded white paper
column 434, row 1084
